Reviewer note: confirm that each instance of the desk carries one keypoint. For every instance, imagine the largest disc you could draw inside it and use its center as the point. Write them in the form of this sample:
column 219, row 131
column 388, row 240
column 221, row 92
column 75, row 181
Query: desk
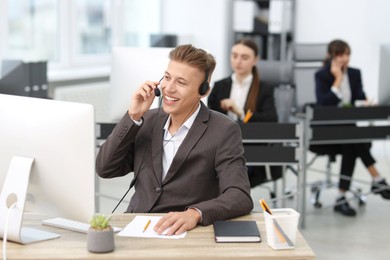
column 198, row 244
column 274, row 144
column 337, row 125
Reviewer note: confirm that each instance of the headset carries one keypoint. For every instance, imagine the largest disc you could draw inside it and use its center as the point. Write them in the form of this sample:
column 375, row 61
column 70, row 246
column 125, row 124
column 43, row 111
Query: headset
column 204, row 87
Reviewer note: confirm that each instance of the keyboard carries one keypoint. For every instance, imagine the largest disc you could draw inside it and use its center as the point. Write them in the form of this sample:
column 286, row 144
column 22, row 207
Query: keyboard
column 69, row 224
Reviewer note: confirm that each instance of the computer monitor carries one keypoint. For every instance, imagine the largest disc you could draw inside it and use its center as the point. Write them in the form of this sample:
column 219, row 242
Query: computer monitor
column 130, row 67
column 60, row 137
column 384, row 75
column 163, row 40
column 24, row 78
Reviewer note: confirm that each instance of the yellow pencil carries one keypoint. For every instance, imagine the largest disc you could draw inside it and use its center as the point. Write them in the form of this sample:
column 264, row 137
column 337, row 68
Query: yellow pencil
column 279, row 232
column 248, row 116
column 147, row 225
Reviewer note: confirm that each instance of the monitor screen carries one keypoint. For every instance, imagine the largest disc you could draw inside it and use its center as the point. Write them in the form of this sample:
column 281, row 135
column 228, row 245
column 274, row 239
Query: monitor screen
column 130, row 67
column 384, row 75
column 60, row 137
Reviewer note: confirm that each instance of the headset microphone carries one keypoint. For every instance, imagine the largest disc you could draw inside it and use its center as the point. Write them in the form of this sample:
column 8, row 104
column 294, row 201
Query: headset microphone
column 157, row 91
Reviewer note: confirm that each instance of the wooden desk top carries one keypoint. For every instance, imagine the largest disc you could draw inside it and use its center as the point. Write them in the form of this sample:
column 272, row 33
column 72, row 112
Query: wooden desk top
column 198, row 244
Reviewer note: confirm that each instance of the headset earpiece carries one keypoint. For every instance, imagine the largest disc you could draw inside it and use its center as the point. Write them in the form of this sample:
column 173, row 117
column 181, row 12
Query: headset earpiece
column 204, row 87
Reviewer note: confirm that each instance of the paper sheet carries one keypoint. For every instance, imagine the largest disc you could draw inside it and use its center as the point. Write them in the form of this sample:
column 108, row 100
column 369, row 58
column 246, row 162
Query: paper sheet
column 135, row 228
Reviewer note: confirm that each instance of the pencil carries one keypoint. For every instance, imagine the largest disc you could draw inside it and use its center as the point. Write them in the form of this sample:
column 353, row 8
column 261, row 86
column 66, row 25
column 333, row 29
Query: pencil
column 283, row 238
column 147, row 225
column 248, row 116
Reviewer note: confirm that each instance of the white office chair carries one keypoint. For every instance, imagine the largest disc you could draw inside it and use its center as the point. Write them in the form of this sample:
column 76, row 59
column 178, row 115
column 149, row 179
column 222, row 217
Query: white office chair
column 307, row 60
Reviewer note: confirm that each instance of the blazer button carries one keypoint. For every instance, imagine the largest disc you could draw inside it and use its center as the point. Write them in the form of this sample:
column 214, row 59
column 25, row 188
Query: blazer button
column 158, row 189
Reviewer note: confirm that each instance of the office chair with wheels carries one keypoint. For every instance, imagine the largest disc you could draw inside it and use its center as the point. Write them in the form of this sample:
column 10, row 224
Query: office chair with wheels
column 330, row 151
column 322, row 139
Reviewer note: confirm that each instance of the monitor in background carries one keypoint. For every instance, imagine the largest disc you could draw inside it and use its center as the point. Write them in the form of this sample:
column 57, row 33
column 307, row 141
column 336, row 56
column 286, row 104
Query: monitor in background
column 60, row 137
column 24, row 78
column 163, row 40
column 384, row 76
column 130, row 67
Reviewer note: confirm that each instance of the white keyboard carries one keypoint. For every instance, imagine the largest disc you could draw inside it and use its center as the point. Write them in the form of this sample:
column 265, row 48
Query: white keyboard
column 70, row 224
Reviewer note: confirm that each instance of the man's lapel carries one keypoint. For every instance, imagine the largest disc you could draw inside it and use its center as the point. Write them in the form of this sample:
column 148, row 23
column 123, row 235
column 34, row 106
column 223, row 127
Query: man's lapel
column 158, row 145
column 197, row 130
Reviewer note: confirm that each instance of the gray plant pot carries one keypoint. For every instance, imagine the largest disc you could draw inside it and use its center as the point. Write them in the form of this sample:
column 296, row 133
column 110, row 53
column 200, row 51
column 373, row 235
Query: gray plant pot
column 100, row 241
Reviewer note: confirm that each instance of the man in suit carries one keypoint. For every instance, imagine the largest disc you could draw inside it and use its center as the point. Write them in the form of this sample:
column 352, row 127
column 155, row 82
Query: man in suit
column 187, row 160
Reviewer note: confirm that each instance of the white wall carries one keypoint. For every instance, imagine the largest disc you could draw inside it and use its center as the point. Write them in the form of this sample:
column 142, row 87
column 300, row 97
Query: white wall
column 3, row 30
column 362, row 23
column 205, row 24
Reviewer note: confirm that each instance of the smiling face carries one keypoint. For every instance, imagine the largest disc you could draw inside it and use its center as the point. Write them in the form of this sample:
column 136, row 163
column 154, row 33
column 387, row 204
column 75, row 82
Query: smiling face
column 180, row 88
column 242, row 60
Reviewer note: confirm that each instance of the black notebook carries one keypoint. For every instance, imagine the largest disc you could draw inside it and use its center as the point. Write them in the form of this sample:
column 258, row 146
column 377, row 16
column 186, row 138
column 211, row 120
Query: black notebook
column 236, row 231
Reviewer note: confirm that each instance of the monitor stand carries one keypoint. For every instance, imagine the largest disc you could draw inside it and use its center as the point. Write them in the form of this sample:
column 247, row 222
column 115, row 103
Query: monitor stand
column 14, row 191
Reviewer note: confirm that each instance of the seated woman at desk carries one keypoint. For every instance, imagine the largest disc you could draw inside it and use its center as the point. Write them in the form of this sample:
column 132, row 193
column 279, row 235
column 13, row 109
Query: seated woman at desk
column 243, row 95
column 339, row 85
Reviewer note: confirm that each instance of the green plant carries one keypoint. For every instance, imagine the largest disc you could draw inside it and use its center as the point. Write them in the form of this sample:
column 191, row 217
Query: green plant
column 100, row 222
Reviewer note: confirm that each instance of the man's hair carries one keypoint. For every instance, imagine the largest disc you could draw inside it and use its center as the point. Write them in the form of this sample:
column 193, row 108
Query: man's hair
column 194, row 57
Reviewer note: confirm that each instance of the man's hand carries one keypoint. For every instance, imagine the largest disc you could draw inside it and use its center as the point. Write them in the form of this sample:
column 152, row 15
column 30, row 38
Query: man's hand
column 142, row 100
column 178, row 222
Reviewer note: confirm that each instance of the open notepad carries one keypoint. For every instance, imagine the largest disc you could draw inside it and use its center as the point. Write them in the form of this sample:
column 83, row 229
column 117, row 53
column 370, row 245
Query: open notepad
column 236, row 231
column 136, row 228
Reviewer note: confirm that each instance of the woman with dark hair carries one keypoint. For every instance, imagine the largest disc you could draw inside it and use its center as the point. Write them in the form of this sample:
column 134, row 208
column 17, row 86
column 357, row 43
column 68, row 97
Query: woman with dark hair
column 243, row 91
column 339, row 85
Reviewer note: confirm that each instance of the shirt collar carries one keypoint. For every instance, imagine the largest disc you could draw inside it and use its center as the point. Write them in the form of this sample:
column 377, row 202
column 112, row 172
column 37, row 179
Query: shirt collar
column 188, row 123
column 246, row 80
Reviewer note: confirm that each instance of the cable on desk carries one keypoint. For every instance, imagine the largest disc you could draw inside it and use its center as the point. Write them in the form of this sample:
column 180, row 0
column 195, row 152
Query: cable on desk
column 6, row 230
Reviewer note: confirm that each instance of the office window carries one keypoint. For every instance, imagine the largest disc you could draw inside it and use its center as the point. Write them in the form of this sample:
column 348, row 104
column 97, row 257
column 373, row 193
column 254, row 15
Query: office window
column 32, row 30
column 72, row 34
column 142, row 18
column 92, row 27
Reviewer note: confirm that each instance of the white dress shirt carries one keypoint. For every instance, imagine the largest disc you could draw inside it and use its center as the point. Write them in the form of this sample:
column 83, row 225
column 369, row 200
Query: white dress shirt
column 172, row 142
column 239, row 93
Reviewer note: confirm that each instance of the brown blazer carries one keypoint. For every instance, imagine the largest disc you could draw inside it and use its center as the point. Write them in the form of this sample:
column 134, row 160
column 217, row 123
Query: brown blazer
column 208, row 171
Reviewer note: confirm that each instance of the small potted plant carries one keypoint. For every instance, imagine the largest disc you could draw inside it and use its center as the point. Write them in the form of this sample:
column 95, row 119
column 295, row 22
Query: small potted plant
column 100, row 236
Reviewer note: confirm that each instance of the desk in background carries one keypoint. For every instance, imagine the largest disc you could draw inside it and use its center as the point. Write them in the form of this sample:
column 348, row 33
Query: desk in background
column 274, row 144
column 337, row 125
column 198, row 244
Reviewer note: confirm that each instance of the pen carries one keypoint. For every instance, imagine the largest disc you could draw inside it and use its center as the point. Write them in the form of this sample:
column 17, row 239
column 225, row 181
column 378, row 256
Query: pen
column 147, row 225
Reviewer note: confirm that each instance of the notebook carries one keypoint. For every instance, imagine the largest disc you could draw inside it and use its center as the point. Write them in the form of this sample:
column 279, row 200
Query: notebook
column 236, row 231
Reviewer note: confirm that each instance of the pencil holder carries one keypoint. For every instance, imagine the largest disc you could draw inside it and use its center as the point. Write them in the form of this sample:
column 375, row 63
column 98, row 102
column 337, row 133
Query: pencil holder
column 281, row 228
